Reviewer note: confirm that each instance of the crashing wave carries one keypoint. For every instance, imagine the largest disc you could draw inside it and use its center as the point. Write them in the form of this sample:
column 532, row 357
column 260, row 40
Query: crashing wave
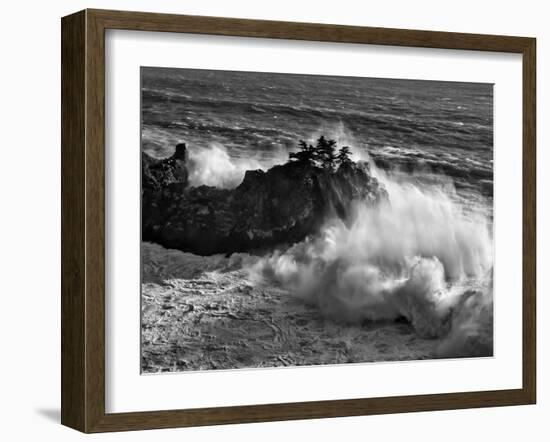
column 418, row 256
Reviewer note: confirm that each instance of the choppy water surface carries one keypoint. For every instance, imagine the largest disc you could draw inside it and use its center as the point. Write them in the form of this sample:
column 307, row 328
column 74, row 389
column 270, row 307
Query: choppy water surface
column 406, row 124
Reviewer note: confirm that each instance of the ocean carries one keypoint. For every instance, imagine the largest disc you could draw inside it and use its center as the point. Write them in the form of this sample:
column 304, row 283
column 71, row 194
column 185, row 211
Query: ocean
column 406, row 125
column 410, row 279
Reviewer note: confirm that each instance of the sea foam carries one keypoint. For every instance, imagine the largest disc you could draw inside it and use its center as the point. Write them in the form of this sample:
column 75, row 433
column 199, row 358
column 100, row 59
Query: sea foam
column 420, row 256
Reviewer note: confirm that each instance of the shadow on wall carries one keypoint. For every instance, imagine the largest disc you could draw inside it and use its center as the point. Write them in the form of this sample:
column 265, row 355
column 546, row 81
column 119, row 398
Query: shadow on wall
column 51, row 414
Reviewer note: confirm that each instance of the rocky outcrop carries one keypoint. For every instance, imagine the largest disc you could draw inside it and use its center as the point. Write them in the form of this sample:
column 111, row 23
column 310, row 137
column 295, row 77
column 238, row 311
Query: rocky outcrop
column 280, row 206
column 157, row 174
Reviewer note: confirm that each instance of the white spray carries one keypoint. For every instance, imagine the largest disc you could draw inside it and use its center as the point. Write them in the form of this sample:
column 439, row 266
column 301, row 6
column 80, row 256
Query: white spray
column 213, row 166
column 421, row 256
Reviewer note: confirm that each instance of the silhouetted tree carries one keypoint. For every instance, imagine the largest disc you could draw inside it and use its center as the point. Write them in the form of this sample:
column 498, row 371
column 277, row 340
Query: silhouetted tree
column 306, row 155
column 323, row 154
column 343, row 156
column 326, row 150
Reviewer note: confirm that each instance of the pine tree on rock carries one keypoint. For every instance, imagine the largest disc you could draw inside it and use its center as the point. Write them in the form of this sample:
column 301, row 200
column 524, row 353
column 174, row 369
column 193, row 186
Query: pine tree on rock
column 306, row 154
column 343, row 156
column 326, row 150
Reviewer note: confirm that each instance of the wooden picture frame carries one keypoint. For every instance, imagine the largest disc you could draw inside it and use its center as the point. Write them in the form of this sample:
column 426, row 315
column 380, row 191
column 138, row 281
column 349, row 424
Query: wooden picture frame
column 83, row 218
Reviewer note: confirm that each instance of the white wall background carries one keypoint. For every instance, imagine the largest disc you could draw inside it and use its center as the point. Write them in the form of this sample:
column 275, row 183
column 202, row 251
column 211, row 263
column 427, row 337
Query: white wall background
column 30, row 217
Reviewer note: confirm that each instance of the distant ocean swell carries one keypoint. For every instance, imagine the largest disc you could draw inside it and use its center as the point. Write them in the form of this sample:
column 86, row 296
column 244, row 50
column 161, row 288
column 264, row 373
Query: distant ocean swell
column 378, row 118
column 449, row 135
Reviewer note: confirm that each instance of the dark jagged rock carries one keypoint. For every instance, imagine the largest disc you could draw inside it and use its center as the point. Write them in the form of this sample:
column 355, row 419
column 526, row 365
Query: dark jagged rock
column 157, row 174
column 280, row 206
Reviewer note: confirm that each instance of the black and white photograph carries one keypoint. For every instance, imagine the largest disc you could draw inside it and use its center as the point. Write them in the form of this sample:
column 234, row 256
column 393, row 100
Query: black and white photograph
column 300, row 220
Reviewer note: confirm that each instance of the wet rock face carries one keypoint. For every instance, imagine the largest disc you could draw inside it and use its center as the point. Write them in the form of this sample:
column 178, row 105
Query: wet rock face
column 280, row 206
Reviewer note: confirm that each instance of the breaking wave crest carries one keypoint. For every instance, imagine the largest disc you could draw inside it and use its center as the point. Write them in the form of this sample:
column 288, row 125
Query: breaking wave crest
column 213, row 166
column 420, row 256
